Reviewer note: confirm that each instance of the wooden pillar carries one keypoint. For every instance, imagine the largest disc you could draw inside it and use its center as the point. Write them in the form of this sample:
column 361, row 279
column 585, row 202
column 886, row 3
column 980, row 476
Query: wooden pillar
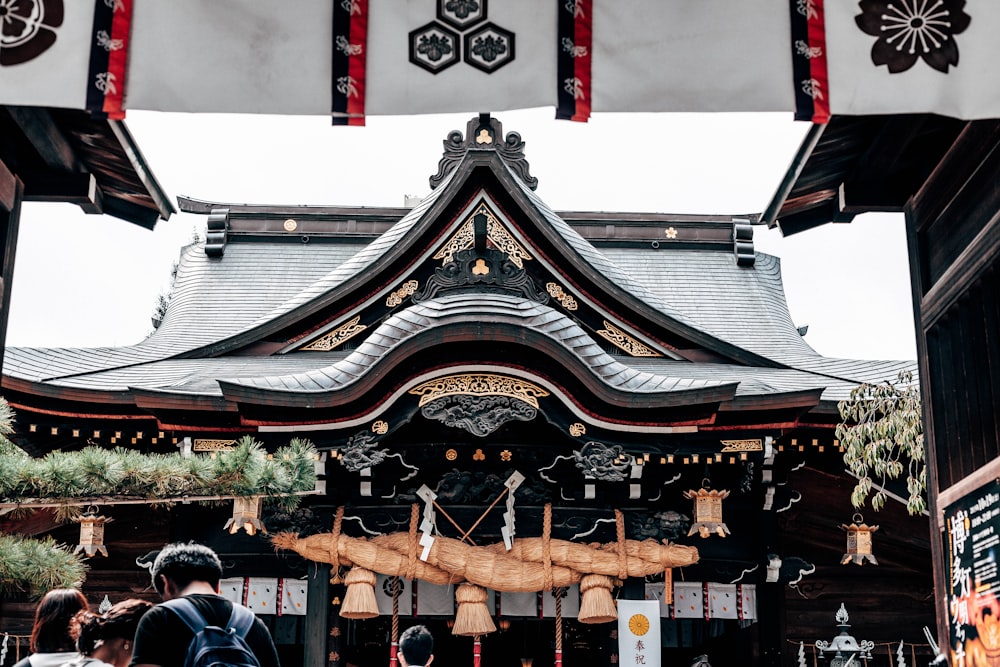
column 317, row 616
column 11, row 195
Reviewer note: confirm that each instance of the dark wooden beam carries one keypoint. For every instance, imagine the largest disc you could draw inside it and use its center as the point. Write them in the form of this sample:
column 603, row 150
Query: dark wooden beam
column 45, row 137
column 74, row 188
column 8, row 186
column 9, row 224
column 863, row 196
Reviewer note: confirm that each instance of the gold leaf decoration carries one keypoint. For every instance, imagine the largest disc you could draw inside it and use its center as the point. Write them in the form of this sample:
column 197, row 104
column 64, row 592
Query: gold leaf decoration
column 495, row 232
column 626, row 343
column 334, row 338
column 479, row 384
column 742, row 445
column 396, row 298
column 564, row 298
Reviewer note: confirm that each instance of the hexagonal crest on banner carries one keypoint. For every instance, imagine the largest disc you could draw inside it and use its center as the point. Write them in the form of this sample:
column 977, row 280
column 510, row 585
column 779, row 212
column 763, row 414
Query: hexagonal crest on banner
column 489, row 47
column 434, row 47
column 461, row 14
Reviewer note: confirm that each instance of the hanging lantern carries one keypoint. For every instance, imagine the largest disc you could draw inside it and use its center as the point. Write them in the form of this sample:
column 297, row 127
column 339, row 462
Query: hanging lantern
column 707, row 511
column 91, row 533
column 859, row 542
column 246, row 515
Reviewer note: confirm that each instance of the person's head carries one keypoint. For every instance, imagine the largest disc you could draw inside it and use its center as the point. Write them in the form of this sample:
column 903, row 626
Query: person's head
column 109, row 636
column 180, row 564
column 416, row 647
column 50, row 632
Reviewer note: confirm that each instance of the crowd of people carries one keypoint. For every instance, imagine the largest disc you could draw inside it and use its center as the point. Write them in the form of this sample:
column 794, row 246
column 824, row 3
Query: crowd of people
column 194, row 626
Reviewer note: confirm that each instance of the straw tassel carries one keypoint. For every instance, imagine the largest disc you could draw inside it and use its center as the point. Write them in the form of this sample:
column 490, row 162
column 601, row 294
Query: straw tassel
column 359, row 600
column 473, row 616
column 596, row 603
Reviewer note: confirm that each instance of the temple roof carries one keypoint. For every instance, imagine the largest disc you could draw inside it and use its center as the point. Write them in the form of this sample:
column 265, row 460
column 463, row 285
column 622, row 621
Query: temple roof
column 330, row 308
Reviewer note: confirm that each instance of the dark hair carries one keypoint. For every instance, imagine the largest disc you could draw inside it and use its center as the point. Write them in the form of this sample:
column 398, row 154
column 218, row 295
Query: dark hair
column 416, row 644
column 183, row 563
column 119, row 622
column 50, row 633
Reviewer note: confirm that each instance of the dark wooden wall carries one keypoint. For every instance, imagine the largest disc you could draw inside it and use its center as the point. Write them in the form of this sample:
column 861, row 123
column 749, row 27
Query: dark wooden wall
column 953, row 229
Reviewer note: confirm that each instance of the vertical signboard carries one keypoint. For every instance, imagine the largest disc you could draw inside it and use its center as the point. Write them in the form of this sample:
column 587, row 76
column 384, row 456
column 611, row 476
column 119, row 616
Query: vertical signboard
column 972, row 530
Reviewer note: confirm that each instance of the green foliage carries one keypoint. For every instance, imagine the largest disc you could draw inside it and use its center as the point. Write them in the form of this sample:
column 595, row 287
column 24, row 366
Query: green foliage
column 37, row 566
column 883, row 437
column 7, row 448
column 93, row 472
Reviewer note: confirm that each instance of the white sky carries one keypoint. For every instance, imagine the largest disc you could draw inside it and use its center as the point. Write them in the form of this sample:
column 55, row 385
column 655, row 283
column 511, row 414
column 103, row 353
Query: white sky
column 92, row 280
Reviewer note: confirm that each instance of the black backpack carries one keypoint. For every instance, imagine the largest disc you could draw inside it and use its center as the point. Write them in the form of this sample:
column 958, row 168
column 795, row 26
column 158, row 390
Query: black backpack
column 213, row 646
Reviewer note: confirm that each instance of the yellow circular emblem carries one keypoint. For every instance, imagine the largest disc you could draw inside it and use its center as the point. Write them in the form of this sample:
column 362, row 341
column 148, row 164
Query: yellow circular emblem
column 638, row 624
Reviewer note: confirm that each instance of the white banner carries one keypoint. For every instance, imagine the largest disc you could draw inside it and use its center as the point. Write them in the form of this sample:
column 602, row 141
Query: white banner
column 570, row 603
column 262, row 595
column 383, row 595
column 433, row 56
column 293, row 597
column 639, row 633
column 879, row 63
column 688, row 600
column 232, row 589
column 710, row 55
column 45, row 54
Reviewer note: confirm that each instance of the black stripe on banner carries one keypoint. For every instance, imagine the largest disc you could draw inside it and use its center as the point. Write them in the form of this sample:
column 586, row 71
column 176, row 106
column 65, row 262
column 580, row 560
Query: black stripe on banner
column 801, row 70
column 565, row 63
column 100, row 55
column 341, row 61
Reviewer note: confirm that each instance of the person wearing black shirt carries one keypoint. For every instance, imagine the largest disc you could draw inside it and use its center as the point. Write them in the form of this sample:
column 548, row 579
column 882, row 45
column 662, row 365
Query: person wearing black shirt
column 191, row 571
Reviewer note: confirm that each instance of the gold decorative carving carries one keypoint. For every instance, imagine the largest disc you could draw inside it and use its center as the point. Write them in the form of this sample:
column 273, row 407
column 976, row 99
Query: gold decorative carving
column 479, row 456
column 506, row 455
column 396, row 298
column 334, row 338
column 495, row 232
column 577, row 429
column 290, row 225
column 484, row 137
column 200, row 445
column 451, row 454
column 742, row 445
column 380, row 427
column 626, row 343
column 564, row 298
column 479, row 384
column 670, row 232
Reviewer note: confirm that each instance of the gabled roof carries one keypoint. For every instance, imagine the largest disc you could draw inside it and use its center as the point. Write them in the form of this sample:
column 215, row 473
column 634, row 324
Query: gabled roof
column 646, row 312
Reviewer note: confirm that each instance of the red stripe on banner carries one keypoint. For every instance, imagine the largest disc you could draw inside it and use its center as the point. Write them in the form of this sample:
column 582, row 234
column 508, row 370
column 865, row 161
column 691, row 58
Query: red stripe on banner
column 739, row 602
column 246, row 591
column 281, row 597
column 705, row 600
column 121, row 27
column 358, row 64
column 817, row 64
column 583, row 33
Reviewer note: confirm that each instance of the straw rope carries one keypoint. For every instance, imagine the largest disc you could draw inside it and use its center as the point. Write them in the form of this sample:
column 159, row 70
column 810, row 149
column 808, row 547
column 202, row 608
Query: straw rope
column 558, row 593
column 622, row 555
column 397, row 587
column 334, row 544
column 411, row 550
column 547, row 547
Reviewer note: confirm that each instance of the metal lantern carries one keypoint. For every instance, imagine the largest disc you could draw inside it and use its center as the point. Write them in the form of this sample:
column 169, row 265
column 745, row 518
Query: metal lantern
column 847, row 650
column 91, row 533
column 859, row 542
column 707, row 511
column 246, row 515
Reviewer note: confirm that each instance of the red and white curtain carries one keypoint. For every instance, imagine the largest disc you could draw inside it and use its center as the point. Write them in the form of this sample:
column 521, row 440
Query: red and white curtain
column 353, row 58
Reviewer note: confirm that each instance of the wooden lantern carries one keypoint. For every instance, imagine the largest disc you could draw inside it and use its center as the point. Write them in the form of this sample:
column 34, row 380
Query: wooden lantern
column 91, row 533
column 708, row 511
column 859, row 542
column 246, row 515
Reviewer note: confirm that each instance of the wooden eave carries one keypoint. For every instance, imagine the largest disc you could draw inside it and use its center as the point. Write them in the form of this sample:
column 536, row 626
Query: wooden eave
column 857, row 164
column 63, row 155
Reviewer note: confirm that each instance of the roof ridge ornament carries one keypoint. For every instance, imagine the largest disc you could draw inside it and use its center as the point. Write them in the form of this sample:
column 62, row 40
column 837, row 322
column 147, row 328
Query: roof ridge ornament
column 483, row 132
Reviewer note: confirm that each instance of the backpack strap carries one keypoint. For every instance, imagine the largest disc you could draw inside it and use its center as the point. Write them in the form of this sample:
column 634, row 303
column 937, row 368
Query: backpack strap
column 188, row 613
column 241, row 620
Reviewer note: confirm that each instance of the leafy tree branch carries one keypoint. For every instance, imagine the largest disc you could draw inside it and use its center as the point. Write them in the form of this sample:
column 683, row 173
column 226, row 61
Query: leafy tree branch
column 883, row 438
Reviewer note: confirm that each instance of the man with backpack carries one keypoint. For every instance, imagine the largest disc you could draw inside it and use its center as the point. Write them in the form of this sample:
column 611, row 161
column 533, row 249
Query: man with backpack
column 195, row 626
